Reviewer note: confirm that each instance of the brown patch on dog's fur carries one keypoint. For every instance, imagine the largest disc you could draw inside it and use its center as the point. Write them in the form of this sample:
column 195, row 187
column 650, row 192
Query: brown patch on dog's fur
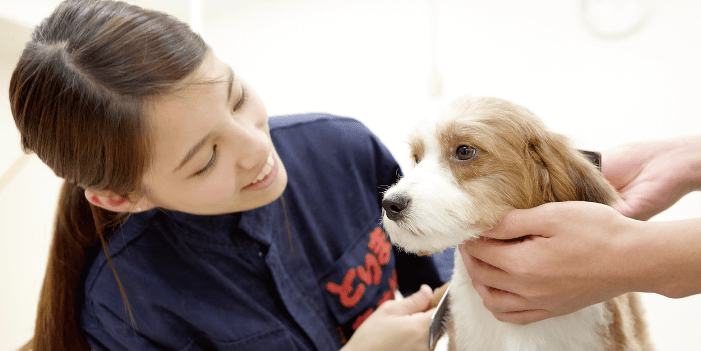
column 451, row 341
column 418, row 148
column 516, row 154
column 509, row 135
column 628, row 331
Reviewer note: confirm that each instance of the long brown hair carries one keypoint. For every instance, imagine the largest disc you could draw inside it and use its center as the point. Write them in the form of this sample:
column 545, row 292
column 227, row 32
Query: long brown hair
column 78, row 96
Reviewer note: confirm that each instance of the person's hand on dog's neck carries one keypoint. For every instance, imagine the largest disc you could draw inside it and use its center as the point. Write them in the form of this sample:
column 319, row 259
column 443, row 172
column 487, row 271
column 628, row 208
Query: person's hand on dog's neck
column 577, row 254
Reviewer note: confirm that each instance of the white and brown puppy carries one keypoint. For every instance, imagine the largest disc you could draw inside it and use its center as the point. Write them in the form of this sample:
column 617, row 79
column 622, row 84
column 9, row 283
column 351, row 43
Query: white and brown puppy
column 485, row 157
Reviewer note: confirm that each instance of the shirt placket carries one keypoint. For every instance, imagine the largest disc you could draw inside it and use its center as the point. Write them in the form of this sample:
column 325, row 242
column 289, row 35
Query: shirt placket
column 293, row 277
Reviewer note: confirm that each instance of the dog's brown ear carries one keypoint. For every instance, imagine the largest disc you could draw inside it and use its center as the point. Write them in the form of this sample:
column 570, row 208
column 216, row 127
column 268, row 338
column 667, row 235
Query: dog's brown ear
column 564, row 174
column 589, row 183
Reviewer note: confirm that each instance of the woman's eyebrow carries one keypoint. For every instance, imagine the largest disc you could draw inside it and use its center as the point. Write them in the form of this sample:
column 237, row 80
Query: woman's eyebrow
column 193, row 151
column 230, row 81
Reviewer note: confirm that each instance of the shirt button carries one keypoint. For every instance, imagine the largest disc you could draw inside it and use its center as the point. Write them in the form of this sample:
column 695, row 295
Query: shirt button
column 260, row 254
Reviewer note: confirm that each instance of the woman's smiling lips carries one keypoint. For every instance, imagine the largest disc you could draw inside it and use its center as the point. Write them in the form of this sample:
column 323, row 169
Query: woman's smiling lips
column 266, row 176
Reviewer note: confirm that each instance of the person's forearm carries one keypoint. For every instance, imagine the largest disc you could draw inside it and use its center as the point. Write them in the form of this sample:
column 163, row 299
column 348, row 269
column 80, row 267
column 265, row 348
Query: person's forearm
column 687, row 150
column 665, row 257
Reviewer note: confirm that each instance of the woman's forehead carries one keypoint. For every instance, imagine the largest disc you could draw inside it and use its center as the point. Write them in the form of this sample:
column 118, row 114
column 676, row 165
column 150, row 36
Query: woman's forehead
column 186, row 115
column 212, row 69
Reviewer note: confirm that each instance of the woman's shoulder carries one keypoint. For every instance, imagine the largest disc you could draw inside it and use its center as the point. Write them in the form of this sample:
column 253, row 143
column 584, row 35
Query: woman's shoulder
column 143, row 252
column 139, row 237
column 320, row 127
column 325, row 134
column 330, row 144
column 307, row 120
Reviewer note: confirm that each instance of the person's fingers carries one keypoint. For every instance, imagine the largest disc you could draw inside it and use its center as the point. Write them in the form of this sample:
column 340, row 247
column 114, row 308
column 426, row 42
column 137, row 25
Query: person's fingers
column 423, row 318
column 509, row 307
column 416, row 302
column 523, row 317
column 500, row 301
column 485, row 273
column 517, row 224
column 420, row 324
column 480, row 255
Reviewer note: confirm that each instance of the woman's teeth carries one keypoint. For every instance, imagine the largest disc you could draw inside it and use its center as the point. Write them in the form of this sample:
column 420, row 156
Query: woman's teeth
column 266, row 169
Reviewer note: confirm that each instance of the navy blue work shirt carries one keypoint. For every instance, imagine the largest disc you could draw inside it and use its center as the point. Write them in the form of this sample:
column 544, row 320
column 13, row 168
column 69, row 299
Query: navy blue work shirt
column 300, row 273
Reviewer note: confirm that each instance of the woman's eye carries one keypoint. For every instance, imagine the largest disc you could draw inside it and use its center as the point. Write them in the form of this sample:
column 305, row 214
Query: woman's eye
column 464, row 152
column 210, row 164
column 242, row 100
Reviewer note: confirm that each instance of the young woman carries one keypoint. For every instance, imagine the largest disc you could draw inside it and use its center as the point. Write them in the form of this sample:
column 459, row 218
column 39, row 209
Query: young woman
column 190, row 221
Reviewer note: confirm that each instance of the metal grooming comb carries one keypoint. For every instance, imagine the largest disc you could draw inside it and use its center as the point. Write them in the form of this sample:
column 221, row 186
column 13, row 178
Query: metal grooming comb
column 437, row 326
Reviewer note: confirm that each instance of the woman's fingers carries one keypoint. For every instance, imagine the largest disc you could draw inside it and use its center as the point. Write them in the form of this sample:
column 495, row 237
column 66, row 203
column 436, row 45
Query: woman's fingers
column 523, row 317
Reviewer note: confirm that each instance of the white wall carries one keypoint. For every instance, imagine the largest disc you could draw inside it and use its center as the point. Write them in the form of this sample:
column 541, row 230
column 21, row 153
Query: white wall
column 372, row 60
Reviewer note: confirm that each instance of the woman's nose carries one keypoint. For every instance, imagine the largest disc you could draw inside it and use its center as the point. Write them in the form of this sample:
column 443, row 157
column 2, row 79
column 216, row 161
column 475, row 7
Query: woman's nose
column 253, row 148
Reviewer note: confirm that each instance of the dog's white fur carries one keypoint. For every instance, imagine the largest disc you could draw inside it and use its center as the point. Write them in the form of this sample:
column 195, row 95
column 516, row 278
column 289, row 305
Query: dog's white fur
column 445, row 214
column 518, row 164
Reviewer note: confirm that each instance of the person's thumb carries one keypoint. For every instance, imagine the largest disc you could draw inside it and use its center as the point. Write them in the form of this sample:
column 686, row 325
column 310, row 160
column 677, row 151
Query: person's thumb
column 510, row 226
column 418, row 301
column 622, row 207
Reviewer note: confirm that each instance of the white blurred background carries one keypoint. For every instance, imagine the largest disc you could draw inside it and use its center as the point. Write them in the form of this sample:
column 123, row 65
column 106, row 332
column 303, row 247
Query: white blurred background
column 604, row 72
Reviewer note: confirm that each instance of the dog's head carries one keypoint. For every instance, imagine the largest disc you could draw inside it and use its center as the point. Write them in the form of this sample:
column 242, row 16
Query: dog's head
column 483, row 158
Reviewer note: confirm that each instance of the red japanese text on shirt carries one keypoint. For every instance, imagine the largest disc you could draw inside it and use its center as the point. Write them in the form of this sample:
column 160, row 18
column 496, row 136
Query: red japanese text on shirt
column 352, row 288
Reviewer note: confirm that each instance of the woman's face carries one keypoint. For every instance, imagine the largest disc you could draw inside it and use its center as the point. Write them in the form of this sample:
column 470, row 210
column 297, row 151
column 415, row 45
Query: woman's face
column 212, row 148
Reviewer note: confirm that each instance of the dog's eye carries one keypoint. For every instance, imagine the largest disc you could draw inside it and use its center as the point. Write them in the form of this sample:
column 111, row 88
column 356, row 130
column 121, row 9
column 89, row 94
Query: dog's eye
column 465, row 152
column 416, row 159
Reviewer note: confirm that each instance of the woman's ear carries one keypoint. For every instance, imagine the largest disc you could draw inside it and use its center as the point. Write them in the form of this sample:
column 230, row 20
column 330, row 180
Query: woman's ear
column 110, row 201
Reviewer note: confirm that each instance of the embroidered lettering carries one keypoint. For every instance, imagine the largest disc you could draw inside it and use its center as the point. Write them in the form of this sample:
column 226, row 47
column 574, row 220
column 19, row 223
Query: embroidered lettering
column 364, row 275
column 374, row 266
column 371, row 274
column 380, row 246
column 393, row 281
column 348, row 296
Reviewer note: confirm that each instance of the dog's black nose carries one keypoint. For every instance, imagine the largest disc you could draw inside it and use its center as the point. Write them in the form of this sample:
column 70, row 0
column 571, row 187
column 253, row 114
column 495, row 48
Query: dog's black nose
column 395, row 206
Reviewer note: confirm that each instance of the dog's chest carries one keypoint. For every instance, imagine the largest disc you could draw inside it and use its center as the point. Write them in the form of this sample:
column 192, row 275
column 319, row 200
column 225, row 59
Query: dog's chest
column 476, row 329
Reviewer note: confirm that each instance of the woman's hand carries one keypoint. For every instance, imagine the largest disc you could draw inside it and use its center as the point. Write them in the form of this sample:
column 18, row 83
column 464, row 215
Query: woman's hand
column 396, row 325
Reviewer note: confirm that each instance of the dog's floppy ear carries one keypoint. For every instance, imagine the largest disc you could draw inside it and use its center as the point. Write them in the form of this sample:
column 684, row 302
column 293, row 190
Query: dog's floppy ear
column 564, row 174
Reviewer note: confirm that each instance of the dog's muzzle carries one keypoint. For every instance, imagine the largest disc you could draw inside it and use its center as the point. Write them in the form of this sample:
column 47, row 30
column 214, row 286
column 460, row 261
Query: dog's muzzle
column 396, row 206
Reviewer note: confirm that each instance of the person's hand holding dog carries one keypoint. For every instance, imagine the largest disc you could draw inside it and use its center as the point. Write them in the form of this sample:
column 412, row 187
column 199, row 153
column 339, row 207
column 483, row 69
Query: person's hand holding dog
column 576, row 254
column 556, row 269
